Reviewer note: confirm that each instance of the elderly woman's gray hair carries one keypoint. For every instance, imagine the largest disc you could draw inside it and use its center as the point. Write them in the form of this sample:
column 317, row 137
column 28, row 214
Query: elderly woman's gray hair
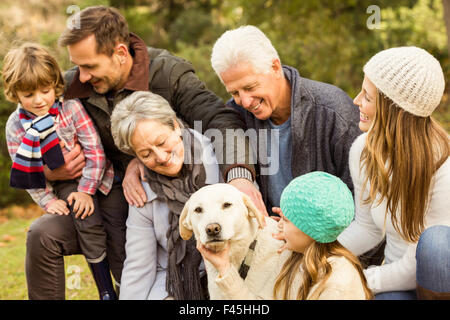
column 244, row 44
column 140, row 105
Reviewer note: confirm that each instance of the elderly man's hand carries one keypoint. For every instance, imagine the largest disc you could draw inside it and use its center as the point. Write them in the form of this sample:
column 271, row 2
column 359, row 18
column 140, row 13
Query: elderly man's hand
column 132, row 188
column 249, row 189
column 73, row 167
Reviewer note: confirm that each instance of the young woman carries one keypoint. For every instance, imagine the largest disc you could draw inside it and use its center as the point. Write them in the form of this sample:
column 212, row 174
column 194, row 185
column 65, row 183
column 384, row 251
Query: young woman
column 401, row 172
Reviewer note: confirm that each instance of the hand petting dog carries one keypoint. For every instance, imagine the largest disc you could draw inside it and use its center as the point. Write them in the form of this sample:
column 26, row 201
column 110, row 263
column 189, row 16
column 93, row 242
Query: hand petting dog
column 220, row 260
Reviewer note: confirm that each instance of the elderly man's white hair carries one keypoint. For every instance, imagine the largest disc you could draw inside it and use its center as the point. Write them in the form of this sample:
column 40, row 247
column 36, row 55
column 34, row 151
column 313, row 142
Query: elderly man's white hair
column 140, row 105
column 246, row 44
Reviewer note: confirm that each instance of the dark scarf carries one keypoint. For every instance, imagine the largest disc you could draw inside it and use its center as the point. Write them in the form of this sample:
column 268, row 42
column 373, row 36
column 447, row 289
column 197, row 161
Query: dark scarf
column 182, row 279
column 40, row 145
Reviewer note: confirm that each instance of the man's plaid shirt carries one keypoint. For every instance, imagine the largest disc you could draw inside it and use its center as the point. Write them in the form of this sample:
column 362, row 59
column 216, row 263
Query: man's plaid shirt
column 72, row 125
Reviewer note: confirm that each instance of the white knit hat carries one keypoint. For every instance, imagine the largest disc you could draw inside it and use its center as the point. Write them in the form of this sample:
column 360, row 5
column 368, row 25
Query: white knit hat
column 409, row 76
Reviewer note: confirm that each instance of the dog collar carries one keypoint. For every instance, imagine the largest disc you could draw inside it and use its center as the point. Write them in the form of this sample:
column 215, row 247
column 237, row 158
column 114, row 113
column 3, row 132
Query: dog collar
column 245, row 265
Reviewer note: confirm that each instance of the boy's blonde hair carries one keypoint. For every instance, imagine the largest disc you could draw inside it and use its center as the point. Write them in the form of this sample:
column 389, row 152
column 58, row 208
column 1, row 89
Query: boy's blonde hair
column 29, row 67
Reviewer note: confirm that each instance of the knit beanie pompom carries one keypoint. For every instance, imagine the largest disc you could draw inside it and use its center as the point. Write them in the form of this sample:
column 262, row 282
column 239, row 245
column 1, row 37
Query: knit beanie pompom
column 410, row 77
column 319, row 204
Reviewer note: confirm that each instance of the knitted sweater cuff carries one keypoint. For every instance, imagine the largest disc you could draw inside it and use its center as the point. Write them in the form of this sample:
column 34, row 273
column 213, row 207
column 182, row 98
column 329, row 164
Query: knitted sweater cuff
column 239, row 172
column 232, row 285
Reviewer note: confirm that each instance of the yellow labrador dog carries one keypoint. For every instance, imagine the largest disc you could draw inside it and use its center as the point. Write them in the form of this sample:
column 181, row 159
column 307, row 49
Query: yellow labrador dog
column 220, row 213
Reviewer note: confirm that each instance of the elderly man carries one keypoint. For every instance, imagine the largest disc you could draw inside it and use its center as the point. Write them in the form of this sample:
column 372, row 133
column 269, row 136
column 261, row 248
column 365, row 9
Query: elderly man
column 315, row 123
column 112, row 63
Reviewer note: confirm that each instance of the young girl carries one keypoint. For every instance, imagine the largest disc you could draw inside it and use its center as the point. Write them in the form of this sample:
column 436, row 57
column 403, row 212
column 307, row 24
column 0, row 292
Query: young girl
column 401, row 172
column 32, row 78
column 315, row 208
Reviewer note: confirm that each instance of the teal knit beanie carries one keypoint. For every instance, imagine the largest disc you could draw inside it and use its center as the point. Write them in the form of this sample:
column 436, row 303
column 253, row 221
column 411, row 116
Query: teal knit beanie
column 319, row 204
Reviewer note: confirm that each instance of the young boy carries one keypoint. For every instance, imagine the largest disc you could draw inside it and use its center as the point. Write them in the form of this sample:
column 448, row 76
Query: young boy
column 34, row 132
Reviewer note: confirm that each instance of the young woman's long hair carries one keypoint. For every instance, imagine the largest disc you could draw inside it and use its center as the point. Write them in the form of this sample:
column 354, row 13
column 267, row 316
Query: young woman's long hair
column 400, row 157
column 316, row 269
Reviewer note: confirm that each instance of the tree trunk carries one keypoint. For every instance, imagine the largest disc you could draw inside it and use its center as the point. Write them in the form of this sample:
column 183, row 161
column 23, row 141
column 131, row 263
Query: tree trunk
column 446, row 4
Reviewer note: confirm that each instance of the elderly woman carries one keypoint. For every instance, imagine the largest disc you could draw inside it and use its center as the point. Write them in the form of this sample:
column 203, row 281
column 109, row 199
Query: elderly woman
column 178, row 162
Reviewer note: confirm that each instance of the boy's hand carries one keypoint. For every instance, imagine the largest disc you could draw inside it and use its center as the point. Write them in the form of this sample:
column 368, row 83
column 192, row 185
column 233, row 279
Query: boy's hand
column 84, row 205
column 58, row 207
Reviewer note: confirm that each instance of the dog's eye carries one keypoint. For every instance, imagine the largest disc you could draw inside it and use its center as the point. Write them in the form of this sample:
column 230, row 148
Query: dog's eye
column 198, row 210
column 226, row 205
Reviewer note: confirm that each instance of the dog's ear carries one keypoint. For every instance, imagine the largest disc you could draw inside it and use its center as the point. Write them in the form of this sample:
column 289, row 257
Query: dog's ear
column 253, row 212
column 184, row 223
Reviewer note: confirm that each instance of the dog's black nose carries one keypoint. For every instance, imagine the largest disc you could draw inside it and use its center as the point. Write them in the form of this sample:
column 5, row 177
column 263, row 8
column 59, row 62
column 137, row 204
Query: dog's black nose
column 213, row 229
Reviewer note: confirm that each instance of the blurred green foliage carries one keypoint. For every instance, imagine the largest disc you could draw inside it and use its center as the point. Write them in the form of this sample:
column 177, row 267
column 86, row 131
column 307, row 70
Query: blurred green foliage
column 327, row 40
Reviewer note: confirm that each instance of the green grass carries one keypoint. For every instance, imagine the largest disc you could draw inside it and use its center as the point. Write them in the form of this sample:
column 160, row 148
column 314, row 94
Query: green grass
column 13, row 284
